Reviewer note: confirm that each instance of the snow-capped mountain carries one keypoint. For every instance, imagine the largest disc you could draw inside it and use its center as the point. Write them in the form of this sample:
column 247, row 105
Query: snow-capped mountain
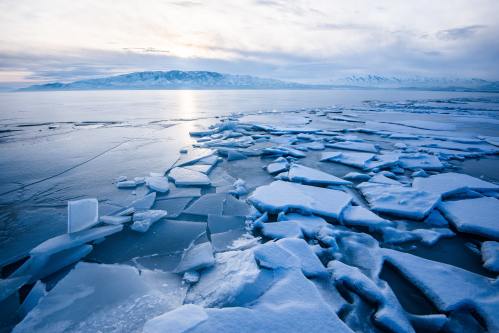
column 170, row 80
column 416, row 82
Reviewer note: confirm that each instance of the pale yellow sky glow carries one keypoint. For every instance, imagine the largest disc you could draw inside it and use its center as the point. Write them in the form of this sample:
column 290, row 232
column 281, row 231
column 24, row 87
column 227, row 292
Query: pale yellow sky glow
column 66, row 40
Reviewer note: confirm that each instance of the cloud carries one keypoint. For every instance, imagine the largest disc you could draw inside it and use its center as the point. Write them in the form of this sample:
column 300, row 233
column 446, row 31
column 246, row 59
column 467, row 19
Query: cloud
column 460, row 33
column 299, row 40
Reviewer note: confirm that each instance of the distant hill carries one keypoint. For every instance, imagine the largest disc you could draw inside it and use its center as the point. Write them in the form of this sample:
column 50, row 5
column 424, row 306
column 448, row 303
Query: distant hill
column 170, row 80
column 213, row 80
column 417, row 82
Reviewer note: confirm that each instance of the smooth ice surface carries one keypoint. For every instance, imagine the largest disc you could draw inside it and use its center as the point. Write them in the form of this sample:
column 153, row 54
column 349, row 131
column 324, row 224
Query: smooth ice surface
column 475, row 216
column 82, row 214
column 188, row 177
column 127, row 299
column 302, row 174
column 399, row 200
column 278, row 230
column 278, row 165
column 451, row 182
column 179, row 320
column 284, row 196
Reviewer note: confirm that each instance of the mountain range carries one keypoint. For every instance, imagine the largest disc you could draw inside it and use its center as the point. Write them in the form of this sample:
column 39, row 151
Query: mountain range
column 212, row 80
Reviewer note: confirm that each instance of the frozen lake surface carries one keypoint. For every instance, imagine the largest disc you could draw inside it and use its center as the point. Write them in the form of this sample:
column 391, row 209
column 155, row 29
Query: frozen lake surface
column 266, row 210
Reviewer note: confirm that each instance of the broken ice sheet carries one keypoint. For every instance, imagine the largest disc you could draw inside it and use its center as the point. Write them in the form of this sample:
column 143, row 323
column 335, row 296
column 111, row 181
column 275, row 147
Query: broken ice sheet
column 285, row 196
column 196, row 258
column 357, row 146
column 127, row 299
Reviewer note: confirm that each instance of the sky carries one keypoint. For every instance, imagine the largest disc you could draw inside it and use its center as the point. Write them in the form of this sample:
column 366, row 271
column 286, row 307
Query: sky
column 301, row 41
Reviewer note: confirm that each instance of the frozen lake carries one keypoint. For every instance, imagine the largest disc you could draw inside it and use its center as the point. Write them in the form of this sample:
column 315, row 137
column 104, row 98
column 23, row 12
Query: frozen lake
column 61, row 146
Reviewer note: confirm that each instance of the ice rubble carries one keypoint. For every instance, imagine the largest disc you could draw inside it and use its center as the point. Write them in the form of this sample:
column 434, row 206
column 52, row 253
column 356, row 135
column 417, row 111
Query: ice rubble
column 82, row 214
column 475, row 216
column 285, row 196
column 305, row 175
column 111, row 298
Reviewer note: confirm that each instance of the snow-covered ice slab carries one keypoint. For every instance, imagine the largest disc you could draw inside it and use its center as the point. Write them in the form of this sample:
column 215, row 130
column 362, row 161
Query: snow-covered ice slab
column 450, row 183
column 399, row 200
column 291, row 304
column 310, row 176
column 104, row 298
column 358, row 216
column 234, row 280
column 450, row 288
column 196, row 258
column 285, row 196
column 309, row 224
column 356, row 146
column 490, row 255
column 474, row 216
column 67, row 241
column 82, row 214
column 311, row 266
column 278, row 230
column 420, row 161
column 187, row 177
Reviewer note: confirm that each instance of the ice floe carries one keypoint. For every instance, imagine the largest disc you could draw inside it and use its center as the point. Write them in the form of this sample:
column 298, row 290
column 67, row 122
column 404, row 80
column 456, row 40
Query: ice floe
column 285, row 196
column 306, row 175
column 490, row 255
column 474, row 216
column 188, row 177
column 450, row 183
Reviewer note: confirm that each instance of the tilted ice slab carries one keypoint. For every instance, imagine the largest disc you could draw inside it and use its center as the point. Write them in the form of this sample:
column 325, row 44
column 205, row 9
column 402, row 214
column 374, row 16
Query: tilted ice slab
column 446, row 184
column 384, row 160
column 357, row 160
column 399, row 200
column 302, row 174
column 285, row 196
column 187, row 177
column 82, row 214
column 292, row 304
column 193, row 156
column 195, row 258
column 474, row 216
column 104, row 298
column 67, row 241
column 450, row 288
column 309, row 224
column 357, row 146
column 142, row 221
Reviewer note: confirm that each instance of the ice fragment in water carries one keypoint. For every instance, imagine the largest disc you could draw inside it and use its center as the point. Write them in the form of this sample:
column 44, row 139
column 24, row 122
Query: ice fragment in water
column 357, row 146
column 302, row 174
column 195, row 258
column 490, row 255
column 158, row 184
column 188, row 177
column 450, row 183
column 357, row 160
